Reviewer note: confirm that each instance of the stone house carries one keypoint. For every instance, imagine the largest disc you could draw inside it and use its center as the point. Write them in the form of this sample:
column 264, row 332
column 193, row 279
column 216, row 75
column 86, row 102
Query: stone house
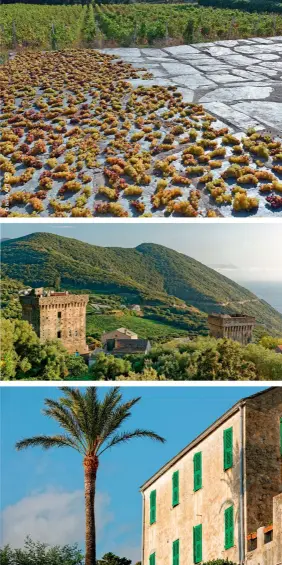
column 57, row 315
column 122, row 347
column 120, row 333
column 278, row 349
column 205, row 502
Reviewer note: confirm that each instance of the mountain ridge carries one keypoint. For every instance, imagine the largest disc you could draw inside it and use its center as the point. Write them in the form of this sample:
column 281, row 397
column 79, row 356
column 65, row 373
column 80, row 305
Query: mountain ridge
column 150, row 273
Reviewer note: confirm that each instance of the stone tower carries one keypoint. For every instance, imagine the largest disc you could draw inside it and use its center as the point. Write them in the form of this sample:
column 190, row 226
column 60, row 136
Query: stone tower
column 232, row 326
column 57, row 315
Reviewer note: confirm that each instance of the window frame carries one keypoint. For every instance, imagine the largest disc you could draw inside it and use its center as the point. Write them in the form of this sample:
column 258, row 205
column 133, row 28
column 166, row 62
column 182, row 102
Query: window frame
column 227, row 451
column 197, row 555
column 198, row 474
column 153, row 506
column 175, row 489
column 229, row 527
column 176, row 556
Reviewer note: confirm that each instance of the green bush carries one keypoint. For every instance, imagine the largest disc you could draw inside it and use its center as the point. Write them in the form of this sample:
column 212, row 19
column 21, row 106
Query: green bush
column 219, row 562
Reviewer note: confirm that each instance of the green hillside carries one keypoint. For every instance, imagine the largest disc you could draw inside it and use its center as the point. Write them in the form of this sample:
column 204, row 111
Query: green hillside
column 145, row 328
column 167, row 284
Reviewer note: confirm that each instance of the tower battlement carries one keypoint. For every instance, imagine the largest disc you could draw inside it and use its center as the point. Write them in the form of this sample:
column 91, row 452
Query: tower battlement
column 238, row 327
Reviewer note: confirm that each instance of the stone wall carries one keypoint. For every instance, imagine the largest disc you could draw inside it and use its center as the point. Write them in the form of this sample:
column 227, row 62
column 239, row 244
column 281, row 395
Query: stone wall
column 61, row 317
column 219, row 491
column 269, row 553
column 262, row 457
column 238, row 328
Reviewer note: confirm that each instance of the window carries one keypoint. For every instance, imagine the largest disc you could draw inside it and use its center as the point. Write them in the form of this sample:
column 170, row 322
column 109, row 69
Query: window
column 175, row 552
column 229, row 527
column 59, row 335
column 59, row 315
column 268, row 536
column 175, row 488
column 280, row 436
column 197, row 543
column 228, row 448
column 69, row 333
column 152, row 559
column 252, row 544
column 153, row 504
column 197, row 470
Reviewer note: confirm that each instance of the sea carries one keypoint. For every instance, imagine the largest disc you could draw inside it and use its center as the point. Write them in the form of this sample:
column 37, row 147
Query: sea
column 271, row 292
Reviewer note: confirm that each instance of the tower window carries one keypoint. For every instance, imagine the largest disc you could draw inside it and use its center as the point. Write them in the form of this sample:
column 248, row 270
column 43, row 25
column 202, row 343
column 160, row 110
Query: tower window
column 59, row 315
column 59, row 335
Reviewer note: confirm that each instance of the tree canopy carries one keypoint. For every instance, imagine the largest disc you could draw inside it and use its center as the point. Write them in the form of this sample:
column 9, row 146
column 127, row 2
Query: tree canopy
column 41, row 553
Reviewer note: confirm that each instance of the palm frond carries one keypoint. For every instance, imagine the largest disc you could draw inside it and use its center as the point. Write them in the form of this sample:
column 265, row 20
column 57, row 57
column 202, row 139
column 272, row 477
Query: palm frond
column 92, row 407
column 46, row 442
column 117, row 418
column 75, row 401
column 126, row 436
column 65, row 418
column 107, row 408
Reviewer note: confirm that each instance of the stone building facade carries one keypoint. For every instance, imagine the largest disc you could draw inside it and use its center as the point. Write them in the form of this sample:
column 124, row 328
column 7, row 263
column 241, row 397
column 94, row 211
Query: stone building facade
column 237, row 327
column 203, row 504
column 265, row 545
column 57, row 315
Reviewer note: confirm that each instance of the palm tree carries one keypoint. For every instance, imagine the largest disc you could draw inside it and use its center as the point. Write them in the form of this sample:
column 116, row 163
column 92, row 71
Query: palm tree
column 91, row 427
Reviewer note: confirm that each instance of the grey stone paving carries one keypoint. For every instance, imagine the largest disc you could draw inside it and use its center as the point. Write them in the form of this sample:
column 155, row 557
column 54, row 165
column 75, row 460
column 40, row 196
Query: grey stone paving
column 237, row 81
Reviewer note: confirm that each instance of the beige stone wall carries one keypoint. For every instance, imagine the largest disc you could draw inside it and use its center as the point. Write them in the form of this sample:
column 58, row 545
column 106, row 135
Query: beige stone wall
column 263, row 459
column 220, row 490
column 269, row 553
column 277, row 529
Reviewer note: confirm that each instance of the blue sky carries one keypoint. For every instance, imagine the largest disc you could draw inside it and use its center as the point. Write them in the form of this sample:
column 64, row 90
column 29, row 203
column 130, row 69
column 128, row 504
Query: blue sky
column 247, row 251
column 42, row 492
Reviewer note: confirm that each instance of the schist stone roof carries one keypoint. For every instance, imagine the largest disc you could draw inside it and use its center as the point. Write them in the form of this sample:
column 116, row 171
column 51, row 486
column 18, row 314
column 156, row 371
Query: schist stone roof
column 125, row 331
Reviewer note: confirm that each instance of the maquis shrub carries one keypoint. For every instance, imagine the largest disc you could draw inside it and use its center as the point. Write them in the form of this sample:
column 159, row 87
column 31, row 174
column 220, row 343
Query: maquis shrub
column 219, row 562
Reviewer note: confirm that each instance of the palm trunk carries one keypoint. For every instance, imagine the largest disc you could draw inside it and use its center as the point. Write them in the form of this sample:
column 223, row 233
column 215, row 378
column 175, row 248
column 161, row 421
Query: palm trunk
column 90, row 472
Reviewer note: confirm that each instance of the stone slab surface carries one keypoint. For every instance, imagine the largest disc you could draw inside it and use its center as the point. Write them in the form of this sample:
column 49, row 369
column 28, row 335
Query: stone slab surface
column 240, row 81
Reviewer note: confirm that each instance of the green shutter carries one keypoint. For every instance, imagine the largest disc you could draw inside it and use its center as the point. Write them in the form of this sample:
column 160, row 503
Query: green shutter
column 153, row 505
column 152, row 560
column 197, row 543
column 175, row 488
column 175, row 552
column 229, row 527
column 228, row 448
column 280, row 436
column 197, row 471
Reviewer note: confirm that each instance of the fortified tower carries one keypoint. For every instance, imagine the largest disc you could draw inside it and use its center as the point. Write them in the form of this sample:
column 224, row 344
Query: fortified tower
column 235, row 326
column 57, row 315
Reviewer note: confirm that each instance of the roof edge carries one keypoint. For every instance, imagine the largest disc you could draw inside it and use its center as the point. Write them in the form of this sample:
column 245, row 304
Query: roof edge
column 201, row 437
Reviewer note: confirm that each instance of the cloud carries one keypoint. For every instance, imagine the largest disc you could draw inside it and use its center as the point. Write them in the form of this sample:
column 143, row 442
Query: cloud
column 53, row 516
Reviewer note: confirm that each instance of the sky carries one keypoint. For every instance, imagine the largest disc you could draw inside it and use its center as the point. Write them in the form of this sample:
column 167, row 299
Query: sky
column 243, row 251
column 42, row 492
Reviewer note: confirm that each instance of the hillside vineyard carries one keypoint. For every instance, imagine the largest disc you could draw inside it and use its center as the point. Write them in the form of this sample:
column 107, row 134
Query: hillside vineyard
column 150, row 274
